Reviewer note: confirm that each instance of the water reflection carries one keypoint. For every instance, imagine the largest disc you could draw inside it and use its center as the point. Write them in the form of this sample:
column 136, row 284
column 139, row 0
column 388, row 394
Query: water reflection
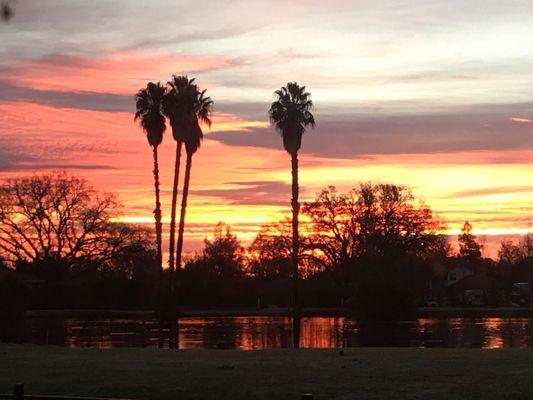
column 250, row 333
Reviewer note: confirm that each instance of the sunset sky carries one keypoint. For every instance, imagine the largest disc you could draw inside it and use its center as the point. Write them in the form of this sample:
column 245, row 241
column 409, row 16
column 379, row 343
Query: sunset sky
column 437, row 95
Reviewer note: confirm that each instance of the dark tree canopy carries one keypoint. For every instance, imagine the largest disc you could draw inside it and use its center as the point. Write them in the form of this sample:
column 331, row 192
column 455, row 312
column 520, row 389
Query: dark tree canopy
column 270, row 251
column 515, row 253
column 370, row 220
column 469, row 248
column 224, row 253
column 273, row 241
column 333, row 226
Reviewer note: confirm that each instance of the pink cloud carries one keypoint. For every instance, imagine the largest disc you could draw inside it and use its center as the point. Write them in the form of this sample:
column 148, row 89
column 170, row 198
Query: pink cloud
column 111, row 72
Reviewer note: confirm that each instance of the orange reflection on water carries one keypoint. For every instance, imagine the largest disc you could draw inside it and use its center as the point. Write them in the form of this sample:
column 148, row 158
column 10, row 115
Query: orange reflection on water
column 507, row 332
column 493, row 337
column 243, row 333
column 254, row 333
column 321, row 332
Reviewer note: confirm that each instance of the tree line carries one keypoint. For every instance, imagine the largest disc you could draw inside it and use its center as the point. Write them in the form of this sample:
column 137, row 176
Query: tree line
column 372, row 250
column 57, row 229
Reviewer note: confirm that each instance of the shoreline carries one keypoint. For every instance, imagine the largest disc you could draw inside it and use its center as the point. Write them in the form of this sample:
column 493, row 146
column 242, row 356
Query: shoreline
column 424, row 312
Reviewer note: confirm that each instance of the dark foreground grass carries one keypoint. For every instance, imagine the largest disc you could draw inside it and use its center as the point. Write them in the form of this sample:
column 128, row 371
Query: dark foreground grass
column 270, row 374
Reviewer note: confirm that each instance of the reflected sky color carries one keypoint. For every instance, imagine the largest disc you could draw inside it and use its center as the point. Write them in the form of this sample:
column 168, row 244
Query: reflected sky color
column 256, row 333
column 435, row 95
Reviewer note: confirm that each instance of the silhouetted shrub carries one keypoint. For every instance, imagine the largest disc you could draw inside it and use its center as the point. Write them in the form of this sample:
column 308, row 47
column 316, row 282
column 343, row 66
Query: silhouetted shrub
column 12, row 305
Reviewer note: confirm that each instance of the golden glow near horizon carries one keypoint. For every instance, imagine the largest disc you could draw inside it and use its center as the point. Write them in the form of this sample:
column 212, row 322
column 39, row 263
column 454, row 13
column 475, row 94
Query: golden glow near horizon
column 427, row 96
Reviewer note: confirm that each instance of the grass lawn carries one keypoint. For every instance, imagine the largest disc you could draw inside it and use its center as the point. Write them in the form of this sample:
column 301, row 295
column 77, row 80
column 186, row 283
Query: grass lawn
column 367, row 373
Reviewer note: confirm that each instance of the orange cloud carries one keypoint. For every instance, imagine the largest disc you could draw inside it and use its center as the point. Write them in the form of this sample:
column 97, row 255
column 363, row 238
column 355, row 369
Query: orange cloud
column 517, row 119
column 50, row 123
column 120, row 72
column 229, row 122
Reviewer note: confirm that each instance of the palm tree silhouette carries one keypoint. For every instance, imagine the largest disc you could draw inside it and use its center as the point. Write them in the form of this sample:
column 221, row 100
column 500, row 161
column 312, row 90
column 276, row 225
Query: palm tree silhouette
column 183, row 104
column 201, row 107
column 148, row 104
column 199, row 110
column 291, row 115
column 174, row 108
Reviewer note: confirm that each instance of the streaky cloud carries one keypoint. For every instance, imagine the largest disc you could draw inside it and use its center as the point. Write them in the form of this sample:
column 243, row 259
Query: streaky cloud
column 78, row 100
column 354, row 136
column 272, row 193
column 492, row 191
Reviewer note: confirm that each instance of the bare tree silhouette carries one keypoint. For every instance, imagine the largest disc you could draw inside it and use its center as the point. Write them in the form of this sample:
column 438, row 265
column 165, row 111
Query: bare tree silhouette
column 60, row 220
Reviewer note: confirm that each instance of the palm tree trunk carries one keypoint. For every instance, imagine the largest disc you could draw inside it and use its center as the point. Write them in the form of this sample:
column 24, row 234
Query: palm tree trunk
column 295, row 252
column 158, row 233
column 181, row 228
column 173, row 328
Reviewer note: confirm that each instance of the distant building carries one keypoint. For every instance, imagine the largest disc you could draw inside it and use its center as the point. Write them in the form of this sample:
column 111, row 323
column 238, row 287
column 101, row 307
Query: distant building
column 456, row 274
column 477, row 290
column 521, row 294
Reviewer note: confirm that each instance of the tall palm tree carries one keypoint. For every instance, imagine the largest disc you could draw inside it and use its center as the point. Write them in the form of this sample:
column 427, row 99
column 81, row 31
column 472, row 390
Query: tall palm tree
column 177, row 107
column 148, row 104
column 199, row 110
column 291, row 114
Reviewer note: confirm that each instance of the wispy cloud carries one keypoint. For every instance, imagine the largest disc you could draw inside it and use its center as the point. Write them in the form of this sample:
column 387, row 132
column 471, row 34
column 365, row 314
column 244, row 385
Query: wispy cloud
column 355, row 136
column 66, row 99
column 250, row 193
column 492, row 191
column 112, row 72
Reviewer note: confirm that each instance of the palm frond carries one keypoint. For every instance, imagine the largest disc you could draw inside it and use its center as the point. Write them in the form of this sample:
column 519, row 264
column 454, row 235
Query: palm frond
column 291, row 114
column 149, row 113
column 185, row 104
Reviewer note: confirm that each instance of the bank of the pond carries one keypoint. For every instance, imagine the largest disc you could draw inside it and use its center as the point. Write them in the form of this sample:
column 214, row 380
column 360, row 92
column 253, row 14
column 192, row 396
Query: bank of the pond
column 424, row 312
column 363, row 373
column 474, row 312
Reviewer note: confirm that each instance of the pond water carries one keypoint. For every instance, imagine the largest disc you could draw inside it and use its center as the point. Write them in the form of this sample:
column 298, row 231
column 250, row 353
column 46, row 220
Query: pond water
column 248, row 333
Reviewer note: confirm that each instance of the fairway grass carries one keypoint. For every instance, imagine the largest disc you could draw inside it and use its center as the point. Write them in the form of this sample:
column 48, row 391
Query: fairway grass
column 362, row 373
